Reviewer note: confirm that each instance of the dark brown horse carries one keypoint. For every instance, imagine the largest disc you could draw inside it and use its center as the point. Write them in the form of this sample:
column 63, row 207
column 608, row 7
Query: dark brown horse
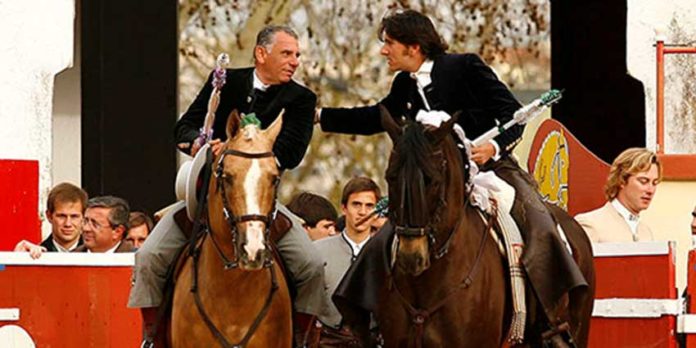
column 231, row 293
column 450, row 285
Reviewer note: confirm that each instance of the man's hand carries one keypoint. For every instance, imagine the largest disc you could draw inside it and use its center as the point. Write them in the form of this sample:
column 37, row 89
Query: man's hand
column 215, row 144
column 481, row 154
column 317, row 115
column 33, row 249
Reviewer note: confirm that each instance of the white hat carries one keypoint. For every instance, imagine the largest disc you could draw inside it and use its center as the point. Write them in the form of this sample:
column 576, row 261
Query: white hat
column 187, row 181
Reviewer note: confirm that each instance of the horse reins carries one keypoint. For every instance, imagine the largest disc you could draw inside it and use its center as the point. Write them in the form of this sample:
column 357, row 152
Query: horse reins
column 420, row 316
column 232, row 222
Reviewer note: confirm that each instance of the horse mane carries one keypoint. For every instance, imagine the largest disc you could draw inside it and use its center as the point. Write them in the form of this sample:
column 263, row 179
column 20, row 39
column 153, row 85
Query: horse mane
column 412, row 152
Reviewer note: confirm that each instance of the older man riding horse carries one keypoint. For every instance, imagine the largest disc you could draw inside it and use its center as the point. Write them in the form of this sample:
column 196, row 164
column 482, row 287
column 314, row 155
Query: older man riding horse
column 230, row 291
column 449, row 284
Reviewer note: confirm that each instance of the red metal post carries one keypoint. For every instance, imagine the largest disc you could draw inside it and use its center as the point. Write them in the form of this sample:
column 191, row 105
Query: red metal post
column 661, row 50
column 659, row 123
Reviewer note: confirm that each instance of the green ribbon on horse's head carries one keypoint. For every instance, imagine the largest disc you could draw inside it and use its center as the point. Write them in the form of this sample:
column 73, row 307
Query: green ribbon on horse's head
column 250, row 119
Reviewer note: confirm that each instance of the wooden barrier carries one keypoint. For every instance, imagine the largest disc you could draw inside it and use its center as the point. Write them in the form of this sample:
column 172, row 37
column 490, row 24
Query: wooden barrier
column 69, row 300
column 636, row 303
column 686, row 323
column 19, row 197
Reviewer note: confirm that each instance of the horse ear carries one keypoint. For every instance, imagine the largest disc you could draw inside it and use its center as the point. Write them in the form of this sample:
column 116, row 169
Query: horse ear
column 233, row 121
column 446, row 128
column 388, row 123
column 274, row 129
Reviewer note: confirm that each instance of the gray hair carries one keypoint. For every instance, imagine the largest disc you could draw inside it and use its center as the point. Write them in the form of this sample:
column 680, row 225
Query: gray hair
column 120, row 210
column 266, row 37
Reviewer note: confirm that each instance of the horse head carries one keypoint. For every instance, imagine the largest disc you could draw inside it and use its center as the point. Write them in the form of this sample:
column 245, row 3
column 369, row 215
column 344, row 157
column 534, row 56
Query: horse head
column 243, row 189
column 426, row 190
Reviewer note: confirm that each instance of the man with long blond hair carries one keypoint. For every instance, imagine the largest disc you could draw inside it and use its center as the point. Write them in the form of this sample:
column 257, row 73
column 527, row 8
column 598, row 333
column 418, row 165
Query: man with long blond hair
column 631, row 186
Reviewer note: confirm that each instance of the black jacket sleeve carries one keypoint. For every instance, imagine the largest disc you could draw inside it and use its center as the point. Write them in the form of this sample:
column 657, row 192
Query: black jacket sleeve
column 296, row 133
column 495, row 100
column 365, row 120
column 188, row 127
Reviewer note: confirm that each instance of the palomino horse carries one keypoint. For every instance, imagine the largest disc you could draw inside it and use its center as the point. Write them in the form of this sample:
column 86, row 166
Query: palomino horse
column 231, row 292
column 450, row 286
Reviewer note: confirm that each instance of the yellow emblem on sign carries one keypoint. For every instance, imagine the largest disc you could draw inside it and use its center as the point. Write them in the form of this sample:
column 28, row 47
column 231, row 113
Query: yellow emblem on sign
column 551, row 169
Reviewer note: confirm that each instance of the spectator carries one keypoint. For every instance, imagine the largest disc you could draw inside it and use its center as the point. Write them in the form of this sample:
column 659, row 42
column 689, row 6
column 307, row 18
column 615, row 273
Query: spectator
column 631, row 186
column 693, row 222
column 64, row 209
column 358, row 200
column 318, row 214
column 106, row 219
column 140, row 227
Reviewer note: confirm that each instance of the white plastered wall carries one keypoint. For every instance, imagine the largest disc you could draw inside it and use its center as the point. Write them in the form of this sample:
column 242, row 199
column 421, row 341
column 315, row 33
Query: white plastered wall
column 675, row 20
column 37, row 43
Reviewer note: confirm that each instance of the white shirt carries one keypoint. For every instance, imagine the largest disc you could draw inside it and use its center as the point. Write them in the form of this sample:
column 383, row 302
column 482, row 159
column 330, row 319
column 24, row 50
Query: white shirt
column 356, row 247
column 631, row 220
column 258, row 84
column 422, row 77
column 61, row 249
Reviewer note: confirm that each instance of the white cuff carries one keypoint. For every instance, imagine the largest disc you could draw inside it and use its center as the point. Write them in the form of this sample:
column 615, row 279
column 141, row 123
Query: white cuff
column 496, row 156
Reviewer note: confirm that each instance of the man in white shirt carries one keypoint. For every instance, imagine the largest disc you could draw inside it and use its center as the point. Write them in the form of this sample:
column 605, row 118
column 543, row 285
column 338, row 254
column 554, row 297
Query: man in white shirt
column 631, row 186
column 358, row 200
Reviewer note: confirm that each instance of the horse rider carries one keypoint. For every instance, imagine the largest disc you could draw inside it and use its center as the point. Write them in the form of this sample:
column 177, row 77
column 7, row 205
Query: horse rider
column 265, row 90
column 429, row 79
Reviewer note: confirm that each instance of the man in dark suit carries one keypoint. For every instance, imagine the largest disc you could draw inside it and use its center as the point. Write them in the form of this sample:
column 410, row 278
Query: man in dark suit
column 265, row 89
column 430, row 79
column 64, row 210
column 105, row 222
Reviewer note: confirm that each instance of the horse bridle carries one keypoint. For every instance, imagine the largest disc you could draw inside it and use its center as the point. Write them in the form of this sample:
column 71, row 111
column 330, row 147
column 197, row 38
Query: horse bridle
column 233, row 220
column 429, row 231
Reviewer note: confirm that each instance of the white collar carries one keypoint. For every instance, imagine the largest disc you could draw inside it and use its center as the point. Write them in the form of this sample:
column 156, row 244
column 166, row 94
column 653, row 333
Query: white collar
column 422, row 75
column 61, row 249
column 355, row 247
column 631, row 219
column 110, row 251
column 258, row 84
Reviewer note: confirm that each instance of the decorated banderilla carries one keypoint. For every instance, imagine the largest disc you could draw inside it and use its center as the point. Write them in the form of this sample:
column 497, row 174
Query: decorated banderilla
column 219, row 79
column 522, row 115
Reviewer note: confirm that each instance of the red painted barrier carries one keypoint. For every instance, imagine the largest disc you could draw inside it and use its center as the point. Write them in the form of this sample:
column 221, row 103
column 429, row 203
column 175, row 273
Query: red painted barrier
column 569, row 175
column 636, row 298
column 19, row 197
column 71, row 300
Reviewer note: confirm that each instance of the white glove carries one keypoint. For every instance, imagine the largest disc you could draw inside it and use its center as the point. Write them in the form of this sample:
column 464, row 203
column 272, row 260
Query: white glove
column 432, row 118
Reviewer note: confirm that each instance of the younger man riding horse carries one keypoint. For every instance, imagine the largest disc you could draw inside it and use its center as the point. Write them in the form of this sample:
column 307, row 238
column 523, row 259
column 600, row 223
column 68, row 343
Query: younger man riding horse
column 430, row 79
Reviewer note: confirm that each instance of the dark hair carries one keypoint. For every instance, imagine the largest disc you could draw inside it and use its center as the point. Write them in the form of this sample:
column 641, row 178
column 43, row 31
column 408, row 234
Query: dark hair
column 65, row 193
column 410, row 27
column 137, row 218
column 118, row 216
column 359, row 184
column 312, row 208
